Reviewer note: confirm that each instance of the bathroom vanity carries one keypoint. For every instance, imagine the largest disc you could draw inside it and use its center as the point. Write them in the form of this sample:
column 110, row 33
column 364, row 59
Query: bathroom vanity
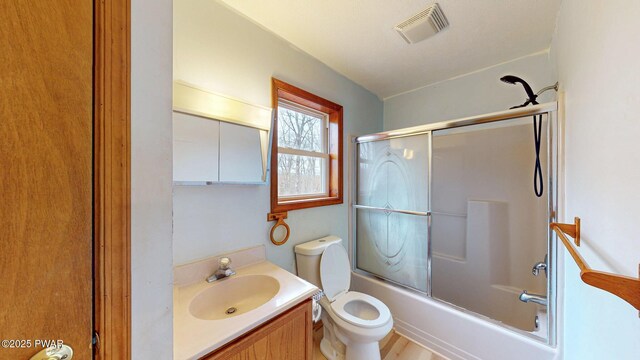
column 261, row 309
column 288, row 336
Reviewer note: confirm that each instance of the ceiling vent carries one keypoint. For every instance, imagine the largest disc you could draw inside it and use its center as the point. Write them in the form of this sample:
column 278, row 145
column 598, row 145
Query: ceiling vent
column 423, row 24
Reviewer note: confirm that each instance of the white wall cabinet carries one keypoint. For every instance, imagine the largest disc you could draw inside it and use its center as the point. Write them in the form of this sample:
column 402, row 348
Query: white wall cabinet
column 196, row 148
column 207, row 151
column 217, row 138
column 240, row 154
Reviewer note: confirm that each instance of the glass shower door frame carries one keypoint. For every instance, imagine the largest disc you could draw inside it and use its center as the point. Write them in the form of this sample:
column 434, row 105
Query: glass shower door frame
column 550, row 109
column 427, row 214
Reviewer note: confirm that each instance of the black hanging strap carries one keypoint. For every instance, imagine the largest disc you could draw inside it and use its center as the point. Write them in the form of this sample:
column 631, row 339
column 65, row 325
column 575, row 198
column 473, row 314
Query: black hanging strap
column 537, row 172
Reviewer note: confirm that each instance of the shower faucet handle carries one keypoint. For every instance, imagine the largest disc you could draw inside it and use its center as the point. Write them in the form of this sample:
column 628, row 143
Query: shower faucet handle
column 539, row 266
column 542, row 265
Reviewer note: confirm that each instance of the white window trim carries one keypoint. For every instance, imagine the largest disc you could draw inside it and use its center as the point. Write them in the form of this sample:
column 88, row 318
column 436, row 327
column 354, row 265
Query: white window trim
column 292, row 151
column 299, row 152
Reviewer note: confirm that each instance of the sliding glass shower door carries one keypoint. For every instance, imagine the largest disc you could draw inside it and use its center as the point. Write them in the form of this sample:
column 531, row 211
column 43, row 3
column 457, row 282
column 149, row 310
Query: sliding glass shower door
column 488, row 226
column 391, row 209
column 450, row 210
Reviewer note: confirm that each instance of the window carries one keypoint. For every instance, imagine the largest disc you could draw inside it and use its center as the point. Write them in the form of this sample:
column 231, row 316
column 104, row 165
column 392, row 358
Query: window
column 302, row 152
column 306, row 157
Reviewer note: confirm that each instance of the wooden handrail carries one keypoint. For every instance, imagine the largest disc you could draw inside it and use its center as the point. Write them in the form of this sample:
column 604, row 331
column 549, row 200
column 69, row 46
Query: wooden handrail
column 625, row 287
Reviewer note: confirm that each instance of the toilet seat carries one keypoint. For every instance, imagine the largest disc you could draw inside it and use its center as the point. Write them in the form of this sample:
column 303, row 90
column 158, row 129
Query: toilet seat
column 356, row 308
column 372, row 312
column 335, row 271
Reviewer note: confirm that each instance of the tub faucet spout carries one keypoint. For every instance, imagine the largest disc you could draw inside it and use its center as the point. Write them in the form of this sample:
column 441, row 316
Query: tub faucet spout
column 534, row 298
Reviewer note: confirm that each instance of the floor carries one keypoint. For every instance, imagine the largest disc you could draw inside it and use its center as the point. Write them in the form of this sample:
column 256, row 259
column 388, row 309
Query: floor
column 393, row 347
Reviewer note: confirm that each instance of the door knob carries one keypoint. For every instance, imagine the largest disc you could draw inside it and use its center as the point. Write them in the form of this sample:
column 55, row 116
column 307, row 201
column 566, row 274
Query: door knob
column 63, row 352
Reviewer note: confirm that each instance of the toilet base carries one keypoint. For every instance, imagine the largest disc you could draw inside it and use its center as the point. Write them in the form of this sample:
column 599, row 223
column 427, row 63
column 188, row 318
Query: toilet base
column 370, row 351
column 333, row 345
column 362, row 351
column 328, row 351
column 330, row 346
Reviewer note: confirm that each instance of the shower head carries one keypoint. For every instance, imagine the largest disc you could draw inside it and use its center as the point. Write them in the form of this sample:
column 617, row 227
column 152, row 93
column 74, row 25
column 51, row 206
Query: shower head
column 510, row 79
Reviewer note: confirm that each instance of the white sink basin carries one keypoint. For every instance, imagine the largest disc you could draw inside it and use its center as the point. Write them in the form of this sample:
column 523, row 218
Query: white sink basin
column 233, row 296
column 259, row 291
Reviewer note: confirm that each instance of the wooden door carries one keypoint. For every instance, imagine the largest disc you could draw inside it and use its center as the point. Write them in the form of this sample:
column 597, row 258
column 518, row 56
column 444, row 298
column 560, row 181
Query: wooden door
column 46, row 90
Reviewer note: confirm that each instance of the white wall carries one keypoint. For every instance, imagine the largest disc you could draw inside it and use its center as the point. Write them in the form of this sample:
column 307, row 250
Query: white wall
column 219, row 50
column 597, row 46
column 476, row 93
column 151, row 255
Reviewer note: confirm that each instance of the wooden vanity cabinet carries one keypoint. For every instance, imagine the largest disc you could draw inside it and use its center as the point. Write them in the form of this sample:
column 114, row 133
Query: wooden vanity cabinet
column 286, row 337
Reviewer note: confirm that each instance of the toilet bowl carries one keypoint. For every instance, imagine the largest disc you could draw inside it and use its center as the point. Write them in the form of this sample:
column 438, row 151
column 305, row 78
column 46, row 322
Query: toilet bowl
column 354, row 322
column 354, row 339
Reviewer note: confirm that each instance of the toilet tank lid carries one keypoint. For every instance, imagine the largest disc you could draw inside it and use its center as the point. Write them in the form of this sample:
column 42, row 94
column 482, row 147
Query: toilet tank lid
column 316, row 247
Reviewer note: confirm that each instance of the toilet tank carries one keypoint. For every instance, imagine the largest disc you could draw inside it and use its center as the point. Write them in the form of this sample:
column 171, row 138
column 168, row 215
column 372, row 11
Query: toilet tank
column 308, row 258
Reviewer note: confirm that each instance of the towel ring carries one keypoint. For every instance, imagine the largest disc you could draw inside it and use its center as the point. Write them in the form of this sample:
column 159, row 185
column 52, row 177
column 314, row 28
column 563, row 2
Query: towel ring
column 279, row 219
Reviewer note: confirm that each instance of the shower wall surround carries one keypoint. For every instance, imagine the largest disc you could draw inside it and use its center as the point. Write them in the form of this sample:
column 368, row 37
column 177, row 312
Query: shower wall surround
column 489, row 228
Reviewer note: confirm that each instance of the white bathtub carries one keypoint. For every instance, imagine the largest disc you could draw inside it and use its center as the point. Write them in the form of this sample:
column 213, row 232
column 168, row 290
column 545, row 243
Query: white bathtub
column 450, row 332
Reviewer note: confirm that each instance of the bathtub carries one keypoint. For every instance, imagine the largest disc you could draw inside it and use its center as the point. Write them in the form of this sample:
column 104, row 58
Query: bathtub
column 450, row 331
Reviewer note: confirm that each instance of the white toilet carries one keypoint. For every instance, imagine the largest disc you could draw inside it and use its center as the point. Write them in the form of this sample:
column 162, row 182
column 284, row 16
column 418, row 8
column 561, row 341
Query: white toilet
column 354, row 322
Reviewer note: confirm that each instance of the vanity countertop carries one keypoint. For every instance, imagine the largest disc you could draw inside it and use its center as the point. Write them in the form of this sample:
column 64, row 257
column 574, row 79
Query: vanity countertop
column 194, row 337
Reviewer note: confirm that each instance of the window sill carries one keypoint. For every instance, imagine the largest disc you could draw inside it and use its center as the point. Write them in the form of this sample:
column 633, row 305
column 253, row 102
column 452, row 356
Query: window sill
column 295, row 204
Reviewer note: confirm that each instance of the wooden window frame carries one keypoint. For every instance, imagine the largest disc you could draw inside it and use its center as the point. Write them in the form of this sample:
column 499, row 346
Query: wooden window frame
column 293, row 94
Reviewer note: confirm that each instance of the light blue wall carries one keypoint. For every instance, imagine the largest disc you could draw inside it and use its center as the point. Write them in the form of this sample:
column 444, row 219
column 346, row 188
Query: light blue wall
column 595, row 52
column 151, row 148
column 216, row 48
column 476, row 93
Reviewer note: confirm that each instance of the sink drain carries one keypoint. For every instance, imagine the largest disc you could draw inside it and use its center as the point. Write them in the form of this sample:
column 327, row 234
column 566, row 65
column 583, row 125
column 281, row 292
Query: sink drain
column 231, row 310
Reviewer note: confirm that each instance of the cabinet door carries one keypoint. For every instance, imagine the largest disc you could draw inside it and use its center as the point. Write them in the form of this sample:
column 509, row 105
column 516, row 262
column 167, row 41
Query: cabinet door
column 240, row 154
column 287, row 337
column 195, row 148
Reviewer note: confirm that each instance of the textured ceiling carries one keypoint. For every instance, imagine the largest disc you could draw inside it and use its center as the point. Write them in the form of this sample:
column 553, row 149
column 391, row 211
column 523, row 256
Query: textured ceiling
column 356, row 37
